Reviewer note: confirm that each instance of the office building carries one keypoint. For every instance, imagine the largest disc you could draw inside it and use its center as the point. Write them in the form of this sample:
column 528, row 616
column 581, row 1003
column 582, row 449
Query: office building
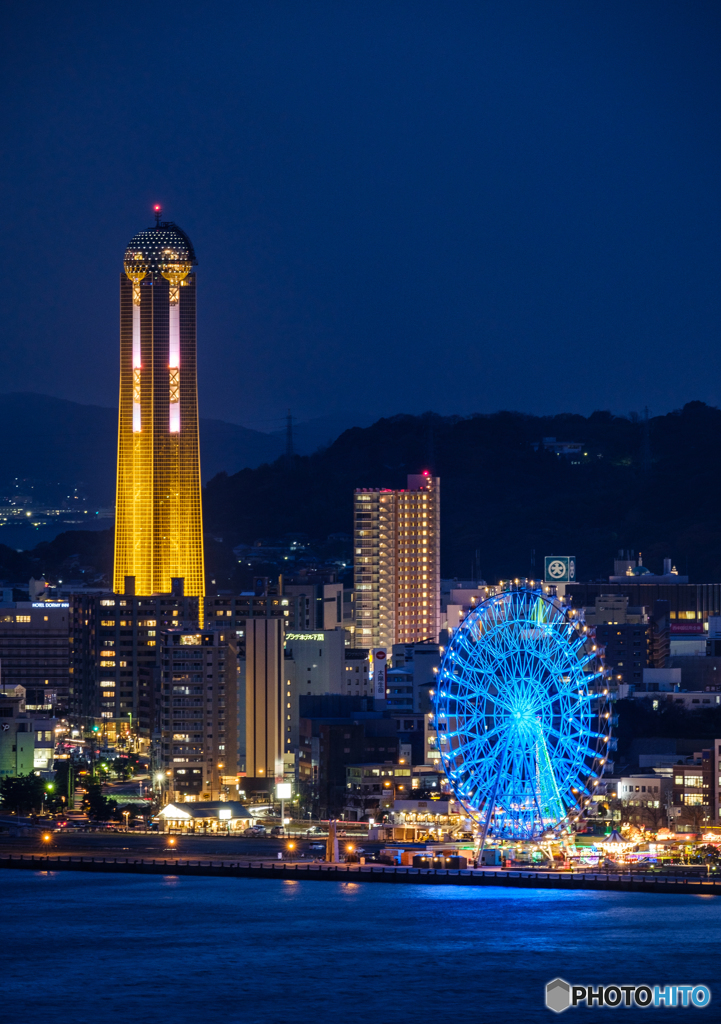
column 234, row 610
column 198, row 735
column 317, row 662
column 27, row 740
column 114, row 641
column 397, row 563
column 35, row 653
column 338, row 731
column 262, row 726
column 357, row 679
column 459, row 597
column 158, row 523
column 688, row 606
column 315, row 605
column 626, row 635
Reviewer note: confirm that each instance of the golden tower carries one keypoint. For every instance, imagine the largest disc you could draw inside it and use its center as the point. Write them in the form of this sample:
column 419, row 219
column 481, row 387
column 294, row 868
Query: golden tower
column 158, row 518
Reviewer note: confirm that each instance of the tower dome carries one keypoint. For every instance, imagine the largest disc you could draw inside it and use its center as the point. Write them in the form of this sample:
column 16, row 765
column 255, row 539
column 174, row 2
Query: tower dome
column 159, row 249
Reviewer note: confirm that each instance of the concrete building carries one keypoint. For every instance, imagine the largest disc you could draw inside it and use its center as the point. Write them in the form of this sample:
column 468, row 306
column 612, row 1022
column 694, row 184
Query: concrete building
column 689, row 605
column 27, row 740
column 35, row 653
column 198, row 732
column 378, row 789
column 357, row 677
column 459, row 597
column 422, row 662
column 314, row 664
column 625, row 634
column 696, row 790
column 315, row 606
column 113, row 643
column 234, row 610
column 644, row 798
column 264, row 726
column 337, row 731
column 397, row 563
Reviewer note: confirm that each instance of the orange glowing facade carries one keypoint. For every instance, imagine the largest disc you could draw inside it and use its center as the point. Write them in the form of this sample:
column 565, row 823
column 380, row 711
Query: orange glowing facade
column 158, row 523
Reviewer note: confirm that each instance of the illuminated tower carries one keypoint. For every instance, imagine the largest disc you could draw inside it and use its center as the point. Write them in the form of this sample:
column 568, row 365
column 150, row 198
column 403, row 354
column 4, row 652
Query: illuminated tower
column 158, row 524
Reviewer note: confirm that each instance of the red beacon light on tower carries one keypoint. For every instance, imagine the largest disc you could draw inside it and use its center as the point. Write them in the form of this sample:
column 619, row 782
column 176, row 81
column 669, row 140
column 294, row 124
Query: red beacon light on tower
column 157, row 210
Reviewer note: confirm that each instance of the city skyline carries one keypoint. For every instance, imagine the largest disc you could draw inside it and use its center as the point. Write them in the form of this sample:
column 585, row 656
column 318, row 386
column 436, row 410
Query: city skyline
column 482, row 205
column 434, row 240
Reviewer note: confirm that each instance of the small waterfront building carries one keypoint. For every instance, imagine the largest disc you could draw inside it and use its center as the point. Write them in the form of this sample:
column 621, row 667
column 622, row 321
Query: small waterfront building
column 210, row 816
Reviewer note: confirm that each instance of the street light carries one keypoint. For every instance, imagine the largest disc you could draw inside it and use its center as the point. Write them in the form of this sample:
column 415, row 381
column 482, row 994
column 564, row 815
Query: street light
column 49, row 787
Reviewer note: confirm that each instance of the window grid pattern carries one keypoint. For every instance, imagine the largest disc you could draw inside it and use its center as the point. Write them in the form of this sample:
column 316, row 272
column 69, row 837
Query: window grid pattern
column 158, row 532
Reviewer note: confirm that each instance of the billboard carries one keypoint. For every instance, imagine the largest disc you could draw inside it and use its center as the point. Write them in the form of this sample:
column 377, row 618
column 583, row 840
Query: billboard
column 379, row 667
column 559, row 569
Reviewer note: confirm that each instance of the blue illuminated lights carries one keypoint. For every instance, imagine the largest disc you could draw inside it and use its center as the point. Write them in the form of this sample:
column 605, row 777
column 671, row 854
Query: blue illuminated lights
column 522, row 714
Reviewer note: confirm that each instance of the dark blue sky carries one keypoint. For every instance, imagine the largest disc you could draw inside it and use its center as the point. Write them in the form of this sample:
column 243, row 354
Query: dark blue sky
column 396, row 206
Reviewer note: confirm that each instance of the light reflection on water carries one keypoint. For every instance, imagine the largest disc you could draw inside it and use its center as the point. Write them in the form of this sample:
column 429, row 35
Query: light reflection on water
column 266, row 952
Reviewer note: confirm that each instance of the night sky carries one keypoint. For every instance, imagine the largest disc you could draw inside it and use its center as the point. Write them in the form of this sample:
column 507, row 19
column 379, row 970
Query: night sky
column 396, row 206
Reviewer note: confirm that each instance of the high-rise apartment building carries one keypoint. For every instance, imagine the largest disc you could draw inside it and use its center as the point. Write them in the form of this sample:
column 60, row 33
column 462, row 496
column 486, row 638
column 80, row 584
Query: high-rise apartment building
column 158, row 525
column 397, row 563
column 199, row 713
column 114, row 654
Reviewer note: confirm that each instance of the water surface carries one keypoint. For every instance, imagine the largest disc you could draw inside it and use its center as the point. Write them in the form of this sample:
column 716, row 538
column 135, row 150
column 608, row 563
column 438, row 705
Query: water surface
column 80, row 948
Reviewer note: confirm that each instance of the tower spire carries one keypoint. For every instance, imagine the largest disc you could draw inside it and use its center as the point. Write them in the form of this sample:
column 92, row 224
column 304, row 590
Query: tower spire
column 157, row 210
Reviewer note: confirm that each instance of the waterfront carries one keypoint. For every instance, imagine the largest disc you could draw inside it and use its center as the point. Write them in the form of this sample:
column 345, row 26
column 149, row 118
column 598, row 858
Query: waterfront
column 266, row 952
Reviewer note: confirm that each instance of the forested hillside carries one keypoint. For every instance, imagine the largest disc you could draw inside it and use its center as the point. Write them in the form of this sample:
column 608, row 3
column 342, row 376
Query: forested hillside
column 654, row 487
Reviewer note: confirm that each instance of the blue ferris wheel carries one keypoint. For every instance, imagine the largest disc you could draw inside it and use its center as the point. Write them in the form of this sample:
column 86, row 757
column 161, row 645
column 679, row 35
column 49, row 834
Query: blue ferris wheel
column 522, row 714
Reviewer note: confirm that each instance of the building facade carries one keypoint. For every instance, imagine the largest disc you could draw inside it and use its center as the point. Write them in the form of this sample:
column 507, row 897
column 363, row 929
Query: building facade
column 35, row 653
column 198, row 741
column 114, row 655
column 397, row 563
column 27, row 741
column 158, row 523
column 262, row 727
column 626, row 636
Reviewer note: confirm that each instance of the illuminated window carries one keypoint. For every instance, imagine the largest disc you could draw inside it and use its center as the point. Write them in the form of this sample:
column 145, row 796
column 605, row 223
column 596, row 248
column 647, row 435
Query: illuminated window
column 109, row 622
column 22, row 618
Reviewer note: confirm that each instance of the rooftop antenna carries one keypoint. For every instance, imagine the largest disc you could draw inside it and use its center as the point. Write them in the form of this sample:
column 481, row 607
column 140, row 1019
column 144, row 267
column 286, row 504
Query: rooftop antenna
column 157, row 210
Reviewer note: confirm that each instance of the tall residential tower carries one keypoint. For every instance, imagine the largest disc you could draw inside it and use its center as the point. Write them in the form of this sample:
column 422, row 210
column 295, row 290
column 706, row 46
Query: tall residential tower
column 397, row 563
column 158, row 525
